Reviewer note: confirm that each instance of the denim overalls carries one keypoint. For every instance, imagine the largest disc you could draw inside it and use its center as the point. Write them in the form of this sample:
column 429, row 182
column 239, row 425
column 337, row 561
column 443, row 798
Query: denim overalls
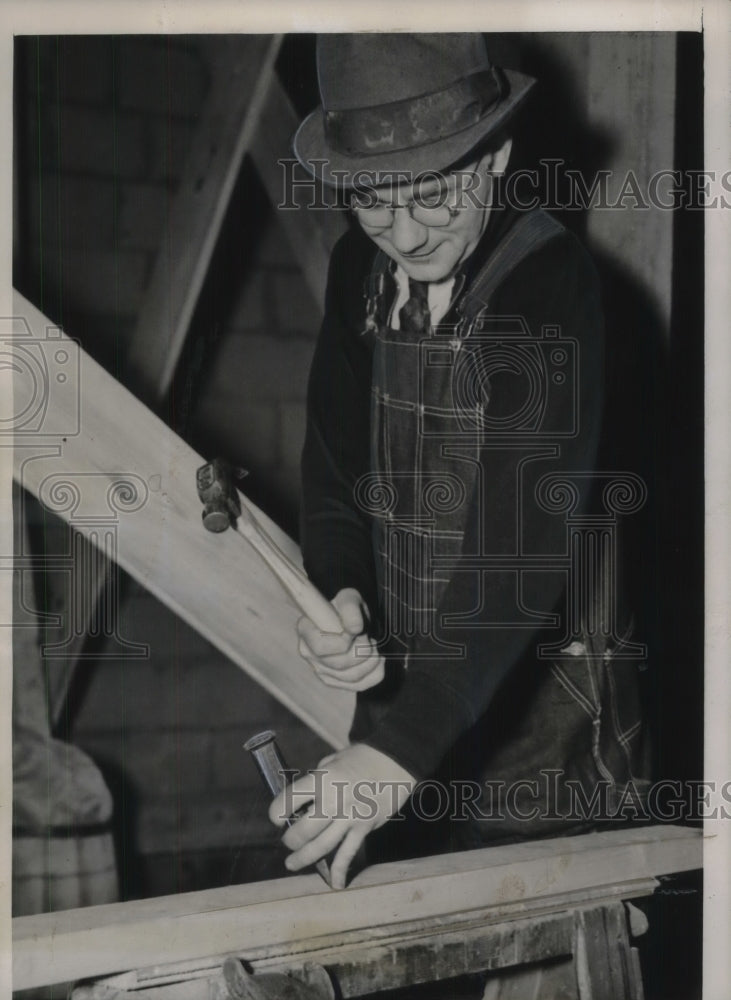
column 575, row 720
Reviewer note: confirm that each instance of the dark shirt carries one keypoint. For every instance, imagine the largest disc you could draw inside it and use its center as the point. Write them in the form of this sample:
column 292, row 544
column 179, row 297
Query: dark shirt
column 439, row 699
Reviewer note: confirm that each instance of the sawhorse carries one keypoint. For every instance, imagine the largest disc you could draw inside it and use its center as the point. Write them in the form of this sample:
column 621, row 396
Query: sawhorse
column 559, row 906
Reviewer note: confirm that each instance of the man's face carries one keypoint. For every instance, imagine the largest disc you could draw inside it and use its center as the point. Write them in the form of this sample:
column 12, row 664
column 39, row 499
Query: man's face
column 429, row 251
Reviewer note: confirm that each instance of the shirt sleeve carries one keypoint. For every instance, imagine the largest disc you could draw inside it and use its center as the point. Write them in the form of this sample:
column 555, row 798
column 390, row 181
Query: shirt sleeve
column 336, row 536
column 442, row 697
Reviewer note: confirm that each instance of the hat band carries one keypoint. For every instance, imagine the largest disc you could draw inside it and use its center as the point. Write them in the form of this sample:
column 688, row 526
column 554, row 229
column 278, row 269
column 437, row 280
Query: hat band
column 416, row 121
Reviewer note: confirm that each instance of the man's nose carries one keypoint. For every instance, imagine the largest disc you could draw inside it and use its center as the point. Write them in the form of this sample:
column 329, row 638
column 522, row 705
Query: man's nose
column 406, row 234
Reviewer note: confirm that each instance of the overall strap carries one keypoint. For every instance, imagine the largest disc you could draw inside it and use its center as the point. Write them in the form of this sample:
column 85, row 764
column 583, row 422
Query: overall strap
column 531, row 231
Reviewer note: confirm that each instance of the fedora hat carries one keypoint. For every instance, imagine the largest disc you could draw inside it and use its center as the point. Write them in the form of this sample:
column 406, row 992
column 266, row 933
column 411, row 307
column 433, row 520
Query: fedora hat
column 403, row 102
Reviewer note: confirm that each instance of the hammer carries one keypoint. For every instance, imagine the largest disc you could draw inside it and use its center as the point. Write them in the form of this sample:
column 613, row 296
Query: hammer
column 222, row 508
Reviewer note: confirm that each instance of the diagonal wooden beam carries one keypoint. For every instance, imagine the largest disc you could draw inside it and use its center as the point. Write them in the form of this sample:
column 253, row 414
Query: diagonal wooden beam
column 242, row 73
column 243, row 70
column 311, row 233
column 126, row 481
column 299, row 917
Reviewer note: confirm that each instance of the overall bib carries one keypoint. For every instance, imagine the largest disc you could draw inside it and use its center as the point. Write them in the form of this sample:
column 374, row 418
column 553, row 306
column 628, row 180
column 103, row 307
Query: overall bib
column 577, row 719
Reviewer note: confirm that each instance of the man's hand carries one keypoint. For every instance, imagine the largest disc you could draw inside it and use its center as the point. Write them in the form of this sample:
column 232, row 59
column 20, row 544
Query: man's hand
column 349, row 660
column 351, row 793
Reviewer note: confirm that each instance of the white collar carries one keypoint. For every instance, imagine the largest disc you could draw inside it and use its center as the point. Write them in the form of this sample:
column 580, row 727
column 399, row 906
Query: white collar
column 439, row 296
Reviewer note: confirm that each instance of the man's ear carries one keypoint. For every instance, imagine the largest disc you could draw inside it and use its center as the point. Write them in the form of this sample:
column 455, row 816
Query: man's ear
column 495, row 161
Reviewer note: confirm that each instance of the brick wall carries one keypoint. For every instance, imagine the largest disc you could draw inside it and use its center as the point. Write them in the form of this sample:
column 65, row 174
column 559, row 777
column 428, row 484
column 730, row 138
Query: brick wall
column 104, row 128
column 168, row 733
column 252, row 400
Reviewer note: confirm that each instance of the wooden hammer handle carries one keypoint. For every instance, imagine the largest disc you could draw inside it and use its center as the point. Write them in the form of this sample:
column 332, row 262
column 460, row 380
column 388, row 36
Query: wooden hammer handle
column 304, row 594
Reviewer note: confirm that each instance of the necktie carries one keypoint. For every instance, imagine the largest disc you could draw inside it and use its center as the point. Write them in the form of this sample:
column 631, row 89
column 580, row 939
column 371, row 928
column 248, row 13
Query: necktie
column 414, row 314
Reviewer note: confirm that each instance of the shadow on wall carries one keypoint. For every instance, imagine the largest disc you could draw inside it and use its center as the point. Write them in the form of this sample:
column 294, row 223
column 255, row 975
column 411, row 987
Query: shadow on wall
column 654, row 417
column 654, row 426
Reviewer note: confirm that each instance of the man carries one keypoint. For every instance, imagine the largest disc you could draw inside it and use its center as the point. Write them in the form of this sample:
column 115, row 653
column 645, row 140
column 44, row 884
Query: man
column 456, row 390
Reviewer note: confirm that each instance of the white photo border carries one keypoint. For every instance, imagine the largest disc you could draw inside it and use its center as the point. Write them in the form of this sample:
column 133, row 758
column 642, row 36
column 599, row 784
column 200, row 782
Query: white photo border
column 218, row 16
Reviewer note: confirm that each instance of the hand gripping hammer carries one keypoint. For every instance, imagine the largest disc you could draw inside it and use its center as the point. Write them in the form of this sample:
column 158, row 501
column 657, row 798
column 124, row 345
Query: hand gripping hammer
column 222, row 508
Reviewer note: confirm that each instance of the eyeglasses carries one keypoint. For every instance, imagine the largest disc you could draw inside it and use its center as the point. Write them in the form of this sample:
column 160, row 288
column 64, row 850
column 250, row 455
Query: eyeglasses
column 435, row 207
column 379, row 216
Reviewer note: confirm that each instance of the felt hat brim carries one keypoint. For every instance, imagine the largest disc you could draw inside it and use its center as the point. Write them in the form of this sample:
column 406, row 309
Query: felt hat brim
column 312, row 149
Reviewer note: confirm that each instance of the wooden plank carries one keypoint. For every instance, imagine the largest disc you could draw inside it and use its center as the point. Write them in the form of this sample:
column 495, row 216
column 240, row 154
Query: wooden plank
column 373, row 966
column 605, row 973
column 124, row 465
column 269, row 920
column 356, row 955
column 243, row 69
column 312, row 233
column 194, row 989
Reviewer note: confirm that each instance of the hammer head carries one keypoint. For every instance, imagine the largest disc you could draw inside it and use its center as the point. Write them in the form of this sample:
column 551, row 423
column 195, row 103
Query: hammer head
column 217, row 491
